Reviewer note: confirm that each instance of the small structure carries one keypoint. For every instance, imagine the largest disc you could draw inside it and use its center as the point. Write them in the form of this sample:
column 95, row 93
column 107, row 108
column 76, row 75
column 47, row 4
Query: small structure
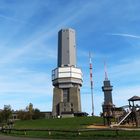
column 67, row 115
column 135, row 110
column 14, row 115
column 129, row 114
column 46, row 114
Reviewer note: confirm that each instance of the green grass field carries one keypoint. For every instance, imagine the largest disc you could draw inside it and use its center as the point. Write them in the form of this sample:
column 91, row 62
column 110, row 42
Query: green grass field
column 73, row 128
column 65, row 123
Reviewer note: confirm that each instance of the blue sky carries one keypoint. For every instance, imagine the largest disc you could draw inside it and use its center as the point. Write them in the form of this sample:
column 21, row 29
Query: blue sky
column 28, row 44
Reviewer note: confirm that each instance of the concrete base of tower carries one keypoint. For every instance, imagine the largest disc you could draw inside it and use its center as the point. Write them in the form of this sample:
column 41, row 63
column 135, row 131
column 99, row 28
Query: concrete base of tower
column 66, row 101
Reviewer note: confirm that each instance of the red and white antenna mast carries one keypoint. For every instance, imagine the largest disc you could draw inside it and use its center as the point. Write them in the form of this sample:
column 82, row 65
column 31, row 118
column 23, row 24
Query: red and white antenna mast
column 91, row 83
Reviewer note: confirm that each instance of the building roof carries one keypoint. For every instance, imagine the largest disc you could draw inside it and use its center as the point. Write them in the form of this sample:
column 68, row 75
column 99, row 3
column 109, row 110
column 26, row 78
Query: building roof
column 134, row 98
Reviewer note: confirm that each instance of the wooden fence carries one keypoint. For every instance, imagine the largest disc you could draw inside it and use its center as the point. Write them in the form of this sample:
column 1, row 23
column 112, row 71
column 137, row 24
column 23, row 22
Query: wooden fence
column 76, row 132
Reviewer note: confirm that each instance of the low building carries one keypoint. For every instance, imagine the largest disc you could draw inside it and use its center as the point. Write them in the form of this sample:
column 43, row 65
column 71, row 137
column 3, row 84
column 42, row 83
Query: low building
column 46, row 114
column 67, row 115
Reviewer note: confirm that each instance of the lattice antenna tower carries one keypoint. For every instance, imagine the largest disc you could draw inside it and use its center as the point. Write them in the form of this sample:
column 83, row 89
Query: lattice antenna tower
column 91, row 82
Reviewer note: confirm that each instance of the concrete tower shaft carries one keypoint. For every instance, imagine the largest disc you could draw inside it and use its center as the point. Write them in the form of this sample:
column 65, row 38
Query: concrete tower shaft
column 66, row 48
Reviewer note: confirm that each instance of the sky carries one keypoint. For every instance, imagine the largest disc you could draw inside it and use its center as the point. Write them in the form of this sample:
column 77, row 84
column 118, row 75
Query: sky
column 109, row 29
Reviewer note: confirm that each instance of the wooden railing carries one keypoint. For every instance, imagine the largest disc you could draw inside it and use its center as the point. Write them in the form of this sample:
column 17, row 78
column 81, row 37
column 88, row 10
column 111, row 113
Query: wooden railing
column 77, row 132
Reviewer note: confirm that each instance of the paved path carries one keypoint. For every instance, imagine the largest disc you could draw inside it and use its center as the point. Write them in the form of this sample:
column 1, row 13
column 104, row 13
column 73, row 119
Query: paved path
column 18, row 138
column 21, row 138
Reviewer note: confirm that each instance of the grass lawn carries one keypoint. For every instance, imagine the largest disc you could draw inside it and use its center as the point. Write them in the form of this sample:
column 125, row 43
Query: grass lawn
column 65, row 123
column 72, row 124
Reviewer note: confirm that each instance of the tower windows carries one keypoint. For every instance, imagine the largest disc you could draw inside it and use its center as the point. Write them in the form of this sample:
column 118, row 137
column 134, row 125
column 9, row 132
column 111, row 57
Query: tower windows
column 66, row 95
column 71, row 104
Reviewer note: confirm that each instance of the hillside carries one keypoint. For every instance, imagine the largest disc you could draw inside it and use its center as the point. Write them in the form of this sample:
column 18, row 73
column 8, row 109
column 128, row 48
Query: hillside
column 68, row 128
column 65, row 123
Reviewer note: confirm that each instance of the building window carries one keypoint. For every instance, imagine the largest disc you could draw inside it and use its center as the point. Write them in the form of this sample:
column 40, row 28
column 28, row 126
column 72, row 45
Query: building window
column 65, row 95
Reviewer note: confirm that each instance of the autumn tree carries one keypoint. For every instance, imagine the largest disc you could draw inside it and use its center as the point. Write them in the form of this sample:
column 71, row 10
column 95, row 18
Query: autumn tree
column 30, row 110
column 6, row 113
column 36, row 114
column 29, row 113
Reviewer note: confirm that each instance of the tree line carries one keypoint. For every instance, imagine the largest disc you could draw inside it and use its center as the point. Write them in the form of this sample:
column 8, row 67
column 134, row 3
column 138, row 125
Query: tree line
column 29, row 113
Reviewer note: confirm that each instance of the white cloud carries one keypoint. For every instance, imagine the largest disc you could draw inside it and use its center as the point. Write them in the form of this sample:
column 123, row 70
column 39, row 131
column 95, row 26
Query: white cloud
column 14, row 19
column 24, row 81
column 124, row 35
column 122, row 94
column 21, row 100
column 20, row 87
column 46, row 33
column 129, row 69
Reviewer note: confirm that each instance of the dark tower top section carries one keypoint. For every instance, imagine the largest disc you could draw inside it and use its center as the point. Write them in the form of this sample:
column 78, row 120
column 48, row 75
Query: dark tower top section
column 107, row 89
column 66, row 48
